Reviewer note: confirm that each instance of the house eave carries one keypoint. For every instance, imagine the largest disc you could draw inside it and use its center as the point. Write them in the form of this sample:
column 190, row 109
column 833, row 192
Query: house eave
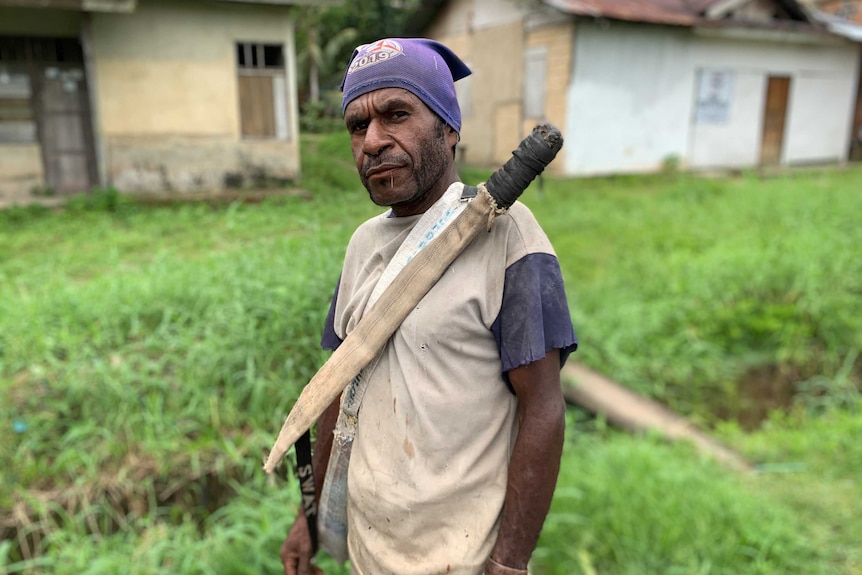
column 74, row 5
column 130, row 5
column 794, row 33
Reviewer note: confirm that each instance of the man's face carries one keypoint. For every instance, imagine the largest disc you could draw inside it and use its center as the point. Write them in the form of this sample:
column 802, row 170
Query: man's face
column 403, row 152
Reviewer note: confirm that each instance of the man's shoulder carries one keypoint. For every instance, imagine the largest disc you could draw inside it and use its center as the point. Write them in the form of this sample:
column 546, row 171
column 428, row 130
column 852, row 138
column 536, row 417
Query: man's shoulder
column 368, row 229
column 525, row 234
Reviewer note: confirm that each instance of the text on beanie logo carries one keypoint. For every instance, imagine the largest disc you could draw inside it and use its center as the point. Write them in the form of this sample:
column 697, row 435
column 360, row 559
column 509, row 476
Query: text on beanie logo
column 375, row 53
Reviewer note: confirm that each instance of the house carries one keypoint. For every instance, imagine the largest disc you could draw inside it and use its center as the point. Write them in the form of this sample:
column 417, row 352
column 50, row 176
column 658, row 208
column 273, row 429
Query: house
column 637, row 85
column 146, row 95
column 845, row 18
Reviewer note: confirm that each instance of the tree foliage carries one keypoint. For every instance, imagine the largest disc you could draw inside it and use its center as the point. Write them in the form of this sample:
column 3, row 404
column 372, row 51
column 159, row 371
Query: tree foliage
column 326, row 36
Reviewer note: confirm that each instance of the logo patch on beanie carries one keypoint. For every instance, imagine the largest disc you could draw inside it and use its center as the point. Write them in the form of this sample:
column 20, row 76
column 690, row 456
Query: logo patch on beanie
column 375, row 53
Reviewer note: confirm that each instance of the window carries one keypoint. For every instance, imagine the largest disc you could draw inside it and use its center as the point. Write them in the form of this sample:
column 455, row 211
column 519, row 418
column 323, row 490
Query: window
column 535, row 72
column 18, row 57
column 17, row 122
column 262, row 90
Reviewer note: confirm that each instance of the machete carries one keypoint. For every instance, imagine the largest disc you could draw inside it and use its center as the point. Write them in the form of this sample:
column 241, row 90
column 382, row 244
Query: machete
column 379, row 323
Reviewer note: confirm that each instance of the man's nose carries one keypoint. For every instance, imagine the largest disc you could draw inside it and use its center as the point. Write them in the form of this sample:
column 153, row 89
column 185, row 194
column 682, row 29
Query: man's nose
column 377, row 139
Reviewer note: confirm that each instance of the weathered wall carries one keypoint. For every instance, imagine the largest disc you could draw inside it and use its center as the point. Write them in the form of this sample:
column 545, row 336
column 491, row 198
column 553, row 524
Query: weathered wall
column 558, row 38
column 822, row 80
column 491, row 35
column 632, row 99
column 167, row 93
column 20, row 171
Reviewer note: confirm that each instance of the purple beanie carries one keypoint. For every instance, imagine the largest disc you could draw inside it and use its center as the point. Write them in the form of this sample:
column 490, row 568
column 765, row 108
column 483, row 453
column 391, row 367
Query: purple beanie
column 426, row 68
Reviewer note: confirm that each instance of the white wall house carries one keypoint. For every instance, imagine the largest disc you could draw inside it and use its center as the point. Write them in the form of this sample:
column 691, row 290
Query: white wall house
column 636, row 85
column 642, row 95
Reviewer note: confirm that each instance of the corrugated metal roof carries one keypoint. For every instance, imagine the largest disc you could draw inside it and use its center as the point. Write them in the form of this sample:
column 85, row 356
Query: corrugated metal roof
column 674, row 12
column 679, row 12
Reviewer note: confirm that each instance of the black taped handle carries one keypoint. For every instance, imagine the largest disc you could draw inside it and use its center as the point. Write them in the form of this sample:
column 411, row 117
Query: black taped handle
column 528, row 161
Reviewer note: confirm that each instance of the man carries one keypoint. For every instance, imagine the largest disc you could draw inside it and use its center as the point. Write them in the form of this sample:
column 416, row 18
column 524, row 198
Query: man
column 461, row 428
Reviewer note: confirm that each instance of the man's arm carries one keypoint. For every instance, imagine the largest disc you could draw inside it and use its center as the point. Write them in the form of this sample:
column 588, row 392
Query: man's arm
column 296, row 553
column 534, row 465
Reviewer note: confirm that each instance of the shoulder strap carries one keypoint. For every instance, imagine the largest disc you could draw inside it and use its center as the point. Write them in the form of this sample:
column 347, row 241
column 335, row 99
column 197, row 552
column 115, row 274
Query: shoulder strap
column 305, row 475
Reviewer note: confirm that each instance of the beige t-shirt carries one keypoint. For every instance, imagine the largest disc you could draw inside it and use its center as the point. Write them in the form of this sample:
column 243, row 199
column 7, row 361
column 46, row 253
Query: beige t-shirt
column 429, row 465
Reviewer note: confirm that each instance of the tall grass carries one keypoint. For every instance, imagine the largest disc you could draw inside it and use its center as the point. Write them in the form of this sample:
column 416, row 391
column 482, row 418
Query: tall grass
column 680, row 286
column 148, row 355
column 634, row 505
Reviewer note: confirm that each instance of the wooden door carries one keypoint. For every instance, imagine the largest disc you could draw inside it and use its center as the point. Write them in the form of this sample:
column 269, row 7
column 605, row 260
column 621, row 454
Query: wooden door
column 64, row 126
column 774, row 118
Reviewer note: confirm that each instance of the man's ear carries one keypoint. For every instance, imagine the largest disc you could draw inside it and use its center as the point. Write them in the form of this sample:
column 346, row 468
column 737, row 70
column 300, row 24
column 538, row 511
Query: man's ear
column 451, row 136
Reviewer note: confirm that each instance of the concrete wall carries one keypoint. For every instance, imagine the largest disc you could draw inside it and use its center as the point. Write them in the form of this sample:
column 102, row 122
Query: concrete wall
column 167, row 94
column 558, row 38
column 488, row 36
column 164, row 84
column 491, row 36
column 822, row 82
column 20, row 171
column 632, row 99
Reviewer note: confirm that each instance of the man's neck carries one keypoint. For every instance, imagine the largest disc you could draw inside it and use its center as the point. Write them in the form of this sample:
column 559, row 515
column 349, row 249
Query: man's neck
column 421, row 205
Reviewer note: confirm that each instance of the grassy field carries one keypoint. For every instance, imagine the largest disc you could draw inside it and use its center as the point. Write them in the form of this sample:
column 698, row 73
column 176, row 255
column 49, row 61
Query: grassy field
column 148, row 356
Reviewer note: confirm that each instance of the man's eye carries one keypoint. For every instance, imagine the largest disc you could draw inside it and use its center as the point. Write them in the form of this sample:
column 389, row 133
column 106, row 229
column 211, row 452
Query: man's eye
column 358, row 126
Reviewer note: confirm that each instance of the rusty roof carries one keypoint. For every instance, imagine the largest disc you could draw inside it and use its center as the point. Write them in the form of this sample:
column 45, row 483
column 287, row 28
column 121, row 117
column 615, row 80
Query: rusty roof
column 708, row 13
column 672, row 12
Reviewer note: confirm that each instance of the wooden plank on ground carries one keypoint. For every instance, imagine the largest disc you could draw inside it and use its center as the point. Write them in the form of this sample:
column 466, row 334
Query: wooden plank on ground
column 628, row 410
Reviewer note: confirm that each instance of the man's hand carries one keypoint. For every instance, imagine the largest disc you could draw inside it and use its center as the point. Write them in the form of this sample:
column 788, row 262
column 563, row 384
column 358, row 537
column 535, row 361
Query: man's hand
column 295, row 552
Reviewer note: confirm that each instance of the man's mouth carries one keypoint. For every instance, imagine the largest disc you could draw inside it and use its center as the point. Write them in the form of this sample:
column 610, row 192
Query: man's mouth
column 382, row 171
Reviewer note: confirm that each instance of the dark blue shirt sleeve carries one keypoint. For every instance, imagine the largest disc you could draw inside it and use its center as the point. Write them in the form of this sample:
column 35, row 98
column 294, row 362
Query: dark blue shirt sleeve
column 534, row 316
column 330, row 340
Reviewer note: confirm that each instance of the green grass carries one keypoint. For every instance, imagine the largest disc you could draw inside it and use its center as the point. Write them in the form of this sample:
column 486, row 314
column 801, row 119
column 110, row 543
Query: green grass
column 635, row 505
column 148, row 355
column 682, row 285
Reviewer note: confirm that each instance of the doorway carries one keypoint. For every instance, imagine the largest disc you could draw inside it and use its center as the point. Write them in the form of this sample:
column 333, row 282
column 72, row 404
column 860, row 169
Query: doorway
column 774, row 119
column 54, row 108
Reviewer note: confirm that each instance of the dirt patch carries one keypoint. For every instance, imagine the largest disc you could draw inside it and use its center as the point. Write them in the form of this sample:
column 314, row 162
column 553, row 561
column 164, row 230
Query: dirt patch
column 760, row 391
column 107, row 504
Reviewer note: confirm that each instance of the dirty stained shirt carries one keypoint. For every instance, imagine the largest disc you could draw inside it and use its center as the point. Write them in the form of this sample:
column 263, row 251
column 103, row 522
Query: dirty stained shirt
column 428, row 472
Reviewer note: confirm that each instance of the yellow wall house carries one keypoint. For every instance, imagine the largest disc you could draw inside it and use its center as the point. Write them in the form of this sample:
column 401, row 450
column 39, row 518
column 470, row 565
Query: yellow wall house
column 146, row 95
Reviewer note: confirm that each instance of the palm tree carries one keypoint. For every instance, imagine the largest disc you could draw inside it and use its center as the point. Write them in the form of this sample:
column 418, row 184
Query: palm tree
column 318, row 61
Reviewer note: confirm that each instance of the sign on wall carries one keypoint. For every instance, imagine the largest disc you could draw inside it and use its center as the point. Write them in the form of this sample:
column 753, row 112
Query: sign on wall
column 714, row 96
